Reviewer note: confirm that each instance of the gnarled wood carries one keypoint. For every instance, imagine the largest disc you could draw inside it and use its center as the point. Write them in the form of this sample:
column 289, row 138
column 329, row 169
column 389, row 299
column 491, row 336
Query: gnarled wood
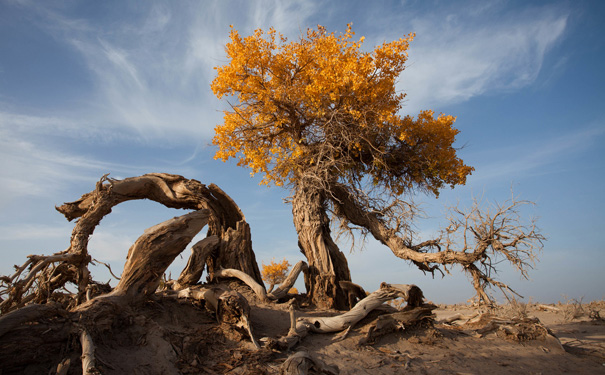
column 192, row 272
column 155, row 250
column 172, row 191
column 256, row 287
column 327, row 264
column 230, row 306
column 289, row 282
column 410, row 293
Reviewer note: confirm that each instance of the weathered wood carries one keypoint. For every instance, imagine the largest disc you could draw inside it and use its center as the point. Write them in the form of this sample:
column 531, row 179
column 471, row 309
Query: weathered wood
column 345, row 321
column 63, row 367
column 155, row 250
column 327, row 264
column 256, row 287
column 354, row 292
column 341, row 322
column 172, row 191
column 192, row 272
column 235, row 252
column 289, row 282
column 230, row 306
column 26, row 314
column 400, row 320
column 88, row 354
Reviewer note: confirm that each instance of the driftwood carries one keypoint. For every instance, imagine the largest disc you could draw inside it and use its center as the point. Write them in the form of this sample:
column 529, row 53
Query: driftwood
column 259, row 289
column 256, row 287
column 154, row 251
column 410, row 293
column 88, row 354
column 28, row 295
column 289, row 282
column 301, row 362
column 226, row 223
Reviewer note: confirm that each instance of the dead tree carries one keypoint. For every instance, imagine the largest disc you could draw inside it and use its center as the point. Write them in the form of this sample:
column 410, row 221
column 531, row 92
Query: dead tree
column 31, row 291
column 476, row 239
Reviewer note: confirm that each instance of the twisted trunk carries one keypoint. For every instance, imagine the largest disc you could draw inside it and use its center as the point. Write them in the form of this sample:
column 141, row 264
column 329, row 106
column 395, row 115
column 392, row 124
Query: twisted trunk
column 327, row 264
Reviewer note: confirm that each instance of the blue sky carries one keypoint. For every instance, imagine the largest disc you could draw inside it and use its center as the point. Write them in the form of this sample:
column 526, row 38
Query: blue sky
column 122, row 87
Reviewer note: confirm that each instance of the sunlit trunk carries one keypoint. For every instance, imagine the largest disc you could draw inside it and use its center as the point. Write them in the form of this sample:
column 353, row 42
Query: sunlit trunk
column 327, row 264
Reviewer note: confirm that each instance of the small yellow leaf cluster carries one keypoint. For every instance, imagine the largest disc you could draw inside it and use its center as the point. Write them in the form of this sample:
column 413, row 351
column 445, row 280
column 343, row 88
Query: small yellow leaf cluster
column 275, row 273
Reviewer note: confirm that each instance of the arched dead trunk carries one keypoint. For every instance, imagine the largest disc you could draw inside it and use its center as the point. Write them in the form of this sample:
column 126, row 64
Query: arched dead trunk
column 226, row 221
column 327, row 264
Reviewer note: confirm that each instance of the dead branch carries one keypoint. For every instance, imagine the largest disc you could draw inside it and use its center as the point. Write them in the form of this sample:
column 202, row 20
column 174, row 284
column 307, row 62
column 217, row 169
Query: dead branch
column 256, row 287
column 304, row 325
column 289, row 282
column 476, row 239
column 88, row 354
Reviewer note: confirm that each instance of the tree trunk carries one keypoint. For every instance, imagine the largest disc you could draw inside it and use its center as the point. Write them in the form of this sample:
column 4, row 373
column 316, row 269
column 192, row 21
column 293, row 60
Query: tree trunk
column 155, row 250
column 327, row 264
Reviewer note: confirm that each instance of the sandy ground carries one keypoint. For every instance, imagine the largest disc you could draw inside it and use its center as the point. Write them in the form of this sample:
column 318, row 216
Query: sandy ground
column 450, row 349
column 181, row 337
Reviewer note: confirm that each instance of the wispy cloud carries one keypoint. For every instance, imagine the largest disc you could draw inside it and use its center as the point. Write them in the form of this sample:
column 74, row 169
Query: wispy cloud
column 537, row 156
column 458, row 55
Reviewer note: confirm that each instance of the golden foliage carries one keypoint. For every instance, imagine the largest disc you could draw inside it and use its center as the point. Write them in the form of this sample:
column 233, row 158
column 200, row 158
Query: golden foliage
column 322, row 106
column 275, row 273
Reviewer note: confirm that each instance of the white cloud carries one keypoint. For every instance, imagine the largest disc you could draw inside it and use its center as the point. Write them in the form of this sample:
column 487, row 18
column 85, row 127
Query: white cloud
column 457, row 56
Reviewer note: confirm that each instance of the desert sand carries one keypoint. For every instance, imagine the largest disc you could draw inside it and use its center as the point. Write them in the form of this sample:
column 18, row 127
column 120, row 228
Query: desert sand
column 170, row 336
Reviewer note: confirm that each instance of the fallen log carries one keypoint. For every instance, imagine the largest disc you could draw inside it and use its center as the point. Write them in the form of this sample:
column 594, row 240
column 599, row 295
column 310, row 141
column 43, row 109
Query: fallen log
column 410, row 293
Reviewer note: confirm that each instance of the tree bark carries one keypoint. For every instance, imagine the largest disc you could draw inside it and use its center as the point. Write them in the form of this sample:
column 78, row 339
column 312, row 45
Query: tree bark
column 197, row 261
column 155, row 250
column 227, row 221
column 288, row 283
column 409, row 292
column 327, row 264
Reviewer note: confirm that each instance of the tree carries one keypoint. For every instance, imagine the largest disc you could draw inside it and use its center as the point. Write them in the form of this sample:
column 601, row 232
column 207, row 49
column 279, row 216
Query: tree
column 275, row 273
column 321, row 116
